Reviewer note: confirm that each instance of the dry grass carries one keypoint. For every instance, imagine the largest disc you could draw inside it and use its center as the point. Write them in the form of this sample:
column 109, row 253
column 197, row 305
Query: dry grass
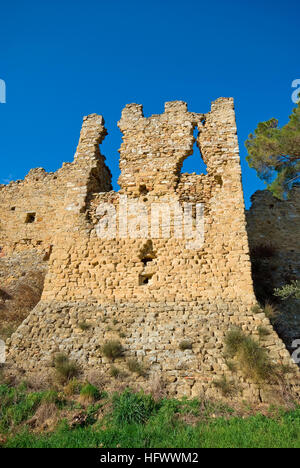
column 226, row 387
column 18, row 299
column 271, row 312
column 41, row 380
column 117, row 373
column 253, row 360
column 136, row 367
column 96, row 378
column 45, row 417
column 263, row 332
column 65, row 368
column 72, row 388
column 88, row 394
column 158, row 389
column 112, row 350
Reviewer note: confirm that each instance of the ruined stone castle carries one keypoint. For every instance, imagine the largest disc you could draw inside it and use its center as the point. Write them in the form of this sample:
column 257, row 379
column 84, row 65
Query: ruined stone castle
column 153, row 293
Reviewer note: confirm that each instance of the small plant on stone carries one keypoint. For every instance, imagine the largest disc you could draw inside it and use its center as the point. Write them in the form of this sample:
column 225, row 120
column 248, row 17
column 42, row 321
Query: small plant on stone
column 89, row 394
column 227, row 388
column 185, row 345
column 253, row 360
column 117, row 373
column 256, row 309
column 84, row 326
column 65, row 368
column 233, row 341
column 72, row 388
column 136, row 367
column 112, row 349
column 271, row 312
column 230, row 364
column 263, row 331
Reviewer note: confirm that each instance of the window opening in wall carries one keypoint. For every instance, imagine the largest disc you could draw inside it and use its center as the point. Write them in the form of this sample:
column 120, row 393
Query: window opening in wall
column 147, row 259
column 145, row 278
column 30, row 218
column 143, row 190
column 147, row 256
column 194, row 163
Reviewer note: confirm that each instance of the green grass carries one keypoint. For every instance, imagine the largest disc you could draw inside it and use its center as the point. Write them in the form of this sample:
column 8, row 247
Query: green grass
column 135, row 420
column 17, row 405
column 256, row 432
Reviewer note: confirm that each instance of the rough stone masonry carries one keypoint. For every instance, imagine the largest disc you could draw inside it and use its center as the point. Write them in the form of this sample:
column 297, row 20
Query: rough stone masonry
column 150, row 294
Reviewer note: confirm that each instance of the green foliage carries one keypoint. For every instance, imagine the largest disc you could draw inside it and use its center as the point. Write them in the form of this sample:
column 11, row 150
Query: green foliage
column 132, row 407
column 89, row 393
column 17, row 405
column 52, row 396
column 65, row 369
column 289, row 290
column 185, row 344
column 137, row 421
column 275, row 153
column 282, row 431
column 112, row 349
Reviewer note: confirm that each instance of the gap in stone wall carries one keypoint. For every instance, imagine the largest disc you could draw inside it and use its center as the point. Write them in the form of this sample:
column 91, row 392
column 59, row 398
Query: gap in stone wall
column 147, row 255
column 194, row 163
column 110, row 149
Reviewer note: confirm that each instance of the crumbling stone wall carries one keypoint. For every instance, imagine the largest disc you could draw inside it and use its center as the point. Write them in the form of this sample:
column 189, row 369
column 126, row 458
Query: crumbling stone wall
column 151, row 292
column 275, row 224
column 34, row 210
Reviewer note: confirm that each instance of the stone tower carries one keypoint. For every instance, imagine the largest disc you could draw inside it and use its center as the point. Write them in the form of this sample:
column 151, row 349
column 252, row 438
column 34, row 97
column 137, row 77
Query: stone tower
column 142, row 284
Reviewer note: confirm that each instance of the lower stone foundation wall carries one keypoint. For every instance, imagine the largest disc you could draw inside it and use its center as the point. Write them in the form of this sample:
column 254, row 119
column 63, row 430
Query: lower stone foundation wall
column 150, row 333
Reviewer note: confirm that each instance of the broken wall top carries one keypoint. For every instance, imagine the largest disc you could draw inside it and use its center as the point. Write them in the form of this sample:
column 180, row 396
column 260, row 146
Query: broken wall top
column 154, row 148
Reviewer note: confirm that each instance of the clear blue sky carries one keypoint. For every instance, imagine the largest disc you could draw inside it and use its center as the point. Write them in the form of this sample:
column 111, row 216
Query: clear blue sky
column 63, row 59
